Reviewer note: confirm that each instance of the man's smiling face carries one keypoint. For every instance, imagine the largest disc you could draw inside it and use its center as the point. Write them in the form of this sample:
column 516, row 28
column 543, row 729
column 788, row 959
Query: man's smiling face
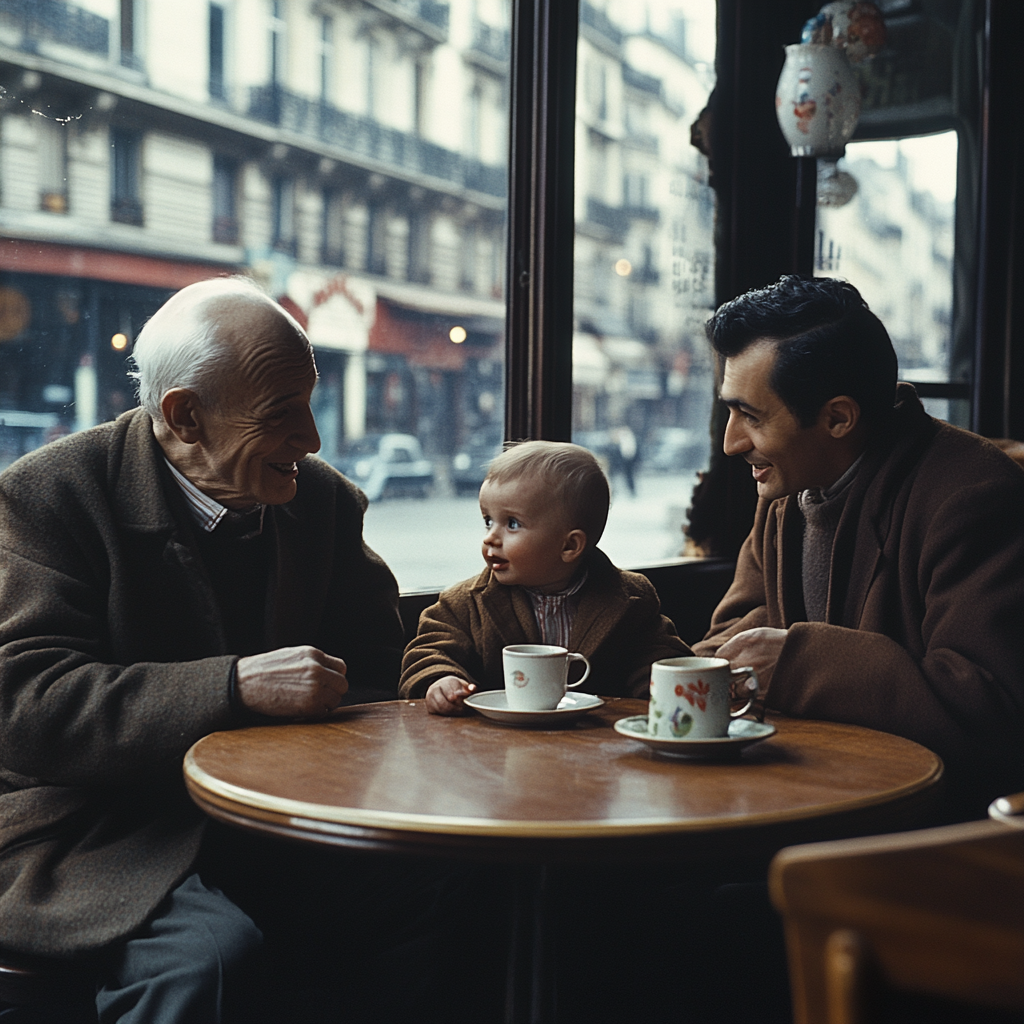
column 262, row 425
column 784, row 456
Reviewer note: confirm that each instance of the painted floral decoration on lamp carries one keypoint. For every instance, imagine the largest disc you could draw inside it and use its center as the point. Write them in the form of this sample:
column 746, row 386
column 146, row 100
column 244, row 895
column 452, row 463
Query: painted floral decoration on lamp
column 817, row 100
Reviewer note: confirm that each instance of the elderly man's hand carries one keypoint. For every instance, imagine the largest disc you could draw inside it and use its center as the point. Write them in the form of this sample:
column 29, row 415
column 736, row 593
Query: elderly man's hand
column 292, row 682
column 759, row 648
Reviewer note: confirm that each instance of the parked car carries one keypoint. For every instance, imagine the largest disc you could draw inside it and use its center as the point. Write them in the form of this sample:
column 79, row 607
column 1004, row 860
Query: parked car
column 387, row 465
column 676, row 449
column 470, row 463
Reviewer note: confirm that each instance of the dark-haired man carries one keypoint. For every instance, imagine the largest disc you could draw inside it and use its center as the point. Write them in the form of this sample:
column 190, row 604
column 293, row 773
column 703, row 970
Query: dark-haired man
column 883, row 581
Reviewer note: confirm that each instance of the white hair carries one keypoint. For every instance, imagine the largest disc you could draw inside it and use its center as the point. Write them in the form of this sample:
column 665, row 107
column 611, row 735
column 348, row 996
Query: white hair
column 181, row 347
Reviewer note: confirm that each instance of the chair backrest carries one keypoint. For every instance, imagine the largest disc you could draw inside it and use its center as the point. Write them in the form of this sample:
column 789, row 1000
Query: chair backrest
column 689, row 592
column 934, row 914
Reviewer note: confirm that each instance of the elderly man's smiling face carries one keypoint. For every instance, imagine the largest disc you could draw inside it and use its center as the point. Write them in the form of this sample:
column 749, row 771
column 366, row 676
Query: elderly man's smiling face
column 261, row 425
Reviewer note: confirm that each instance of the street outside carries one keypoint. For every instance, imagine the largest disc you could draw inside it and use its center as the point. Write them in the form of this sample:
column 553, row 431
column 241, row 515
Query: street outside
column 430, row 544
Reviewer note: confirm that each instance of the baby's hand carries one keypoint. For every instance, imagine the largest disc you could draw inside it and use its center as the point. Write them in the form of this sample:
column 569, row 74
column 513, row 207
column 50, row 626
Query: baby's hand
column 445, row 696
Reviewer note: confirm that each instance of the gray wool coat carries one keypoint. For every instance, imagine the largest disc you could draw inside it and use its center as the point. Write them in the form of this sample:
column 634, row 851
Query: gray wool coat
column 113, row 662
column 924, row 627
column 618, row 627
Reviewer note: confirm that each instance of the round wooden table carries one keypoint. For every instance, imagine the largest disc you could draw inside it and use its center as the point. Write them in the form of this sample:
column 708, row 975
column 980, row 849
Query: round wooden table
column 391, row 777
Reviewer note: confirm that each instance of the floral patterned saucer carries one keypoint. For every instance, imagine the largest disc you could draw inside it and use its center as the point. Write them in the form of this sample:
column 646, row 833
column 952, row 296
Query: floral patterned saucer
column 742, row 732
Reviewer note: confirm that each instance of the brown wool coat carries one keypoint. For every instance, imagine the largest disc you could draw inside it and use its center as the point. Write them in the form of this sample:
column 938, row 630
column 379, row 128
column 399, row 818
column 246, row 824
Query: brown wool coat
column 924, row 630
column 113, row 663
column 618, row 627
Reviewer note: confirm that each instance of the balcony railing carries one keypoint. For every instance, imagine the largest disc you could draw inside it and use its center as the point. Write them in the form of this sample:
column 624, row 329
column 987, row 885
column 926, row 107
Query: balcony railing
column 364, row 137
column 600, row 23
column 492, row 42
column 419, row 14
column 641, row 140
column 58, row 22
column 613, row 218
column 638, row 80
column 434, row 13
column 639, row 211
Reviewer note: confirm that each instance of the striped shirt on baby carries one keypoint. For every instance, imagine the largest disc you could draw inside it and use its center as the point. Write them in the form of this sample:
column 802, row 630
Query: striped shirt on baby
column 555, row 612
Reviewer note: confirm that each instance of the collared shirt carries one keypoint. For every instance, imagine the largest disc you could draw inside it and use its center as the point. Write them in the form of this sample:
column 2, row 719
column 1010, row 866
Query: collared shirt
column 555, row 612
column 206, row 512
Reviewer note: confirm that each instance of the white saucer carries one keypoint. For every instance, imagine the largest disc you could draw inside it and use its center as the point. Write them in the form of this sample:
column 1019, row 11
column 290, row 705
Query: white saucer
column 493, row 704
column 742, row 732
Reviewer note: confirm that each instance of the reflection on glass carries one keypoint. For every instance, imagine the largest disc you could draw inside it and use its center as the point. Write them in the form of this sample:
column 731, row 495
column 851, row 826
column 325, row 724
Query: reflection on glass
column 894, row 242
column 349, row 155
column 644, row 264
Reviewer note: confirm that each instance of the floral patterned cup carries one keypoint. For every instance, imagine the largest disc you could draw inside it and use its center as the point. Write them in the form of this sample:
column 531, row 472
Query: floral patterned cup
column 690, row 697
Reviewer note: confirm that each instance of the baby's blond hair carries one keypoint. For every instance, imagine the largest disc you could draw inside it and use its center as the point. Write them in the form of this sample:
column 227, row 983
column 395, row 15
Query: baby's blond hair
column 576, row 480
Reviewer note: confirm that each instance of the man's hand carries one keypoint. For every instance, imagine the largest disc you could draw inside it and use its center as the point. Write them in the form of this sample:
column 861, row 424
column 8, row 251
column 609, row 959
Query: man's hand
column 291, row 682
column 759, row 648
column 445, row 695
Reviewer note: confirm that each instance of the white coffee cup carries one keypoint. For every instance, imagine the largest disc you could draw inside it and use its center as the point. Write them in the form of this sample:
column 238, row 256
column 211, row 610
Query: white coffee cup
column 536, row 674
column 690, row 698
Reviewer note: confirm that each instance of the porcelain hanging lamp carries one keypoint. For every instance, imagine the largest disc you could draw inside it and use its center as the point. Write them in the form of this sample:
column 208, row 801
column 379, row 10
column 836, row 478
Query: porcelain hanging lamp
column 817, row 100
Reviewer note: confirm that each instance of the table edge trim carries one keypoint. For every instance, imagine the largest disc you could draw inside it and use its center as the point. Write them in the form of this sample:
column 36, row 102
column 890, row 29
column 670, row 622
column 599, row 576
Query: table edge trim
column 319, row 815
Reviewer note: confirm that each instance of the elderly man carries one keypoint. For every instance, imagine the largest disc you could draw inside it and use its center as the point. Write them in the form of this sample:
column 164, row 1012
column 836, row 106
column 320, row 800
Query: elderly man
column 183, row 569
column 883, row 581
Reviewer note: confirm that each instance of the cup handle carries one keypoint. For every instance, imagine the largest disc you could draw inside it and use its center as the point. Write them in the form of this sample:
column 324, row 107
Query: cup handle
column 746, row 671
column 582, row 678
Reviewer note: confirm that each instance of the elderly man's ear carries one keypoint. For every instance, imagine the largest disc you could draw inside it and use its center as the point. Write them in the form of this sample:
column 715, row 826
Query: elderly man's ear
column 840, row 415
column 183, row 414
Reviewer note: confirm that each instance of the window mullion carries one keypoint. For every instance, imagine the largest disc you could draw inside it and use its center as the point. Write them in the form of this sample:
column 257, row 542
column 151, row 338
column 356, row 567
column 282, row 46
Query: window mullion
column 539, row 291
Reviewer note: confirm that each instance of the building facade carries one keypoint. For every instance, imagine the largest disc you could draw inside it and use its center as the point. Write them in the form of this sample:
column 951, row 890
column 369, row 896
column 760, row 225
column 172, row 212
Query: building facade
column 351, row 155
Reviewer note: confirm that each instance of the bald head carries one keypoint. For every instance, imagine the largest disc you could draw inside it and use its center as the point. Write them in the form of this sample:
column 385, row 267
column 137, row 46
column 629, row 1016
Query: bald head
column 207, row 337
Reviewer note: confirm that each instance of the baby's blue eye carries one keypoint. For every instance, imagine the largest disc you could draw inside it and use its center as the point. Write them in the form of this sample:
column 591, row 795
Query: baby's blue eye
column 513, row 523
column 488, row 522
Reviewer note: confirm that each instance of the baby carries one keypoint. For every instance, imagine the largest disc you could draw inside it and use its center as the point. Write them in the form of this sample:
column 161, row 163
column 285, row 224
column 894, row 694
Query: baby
column 544, row 505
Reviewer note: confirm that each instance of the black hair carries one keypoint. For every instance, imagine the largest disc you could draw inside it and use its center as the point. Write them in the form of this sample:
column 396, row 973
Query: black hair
column 827, row 343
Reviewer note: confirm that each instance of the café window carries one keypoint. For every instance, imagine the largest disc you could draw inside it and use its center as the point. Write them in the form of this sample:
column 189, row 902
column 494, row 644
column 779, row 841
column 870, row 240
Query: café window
column 52, row 143
column 126, row 172
column 129, row 34
column 894, row 240
column 283, row 214
column 278, row 41
column 643, row 379
column 216, row 51
column 225, row 203
column 326, row 52
column 334, row 227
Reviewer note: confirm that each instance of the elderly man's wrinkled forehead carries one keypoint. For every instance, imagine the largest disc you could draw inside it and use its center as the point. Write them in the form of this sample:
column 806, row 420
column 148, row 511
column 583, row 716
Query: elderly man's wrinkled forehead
column 254, row 331
column 254, row 328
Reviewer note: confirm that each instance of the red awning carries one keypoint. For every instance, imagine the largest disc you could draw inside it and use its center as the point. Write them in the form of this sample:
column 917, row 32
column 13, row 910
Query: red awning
column 28, row 257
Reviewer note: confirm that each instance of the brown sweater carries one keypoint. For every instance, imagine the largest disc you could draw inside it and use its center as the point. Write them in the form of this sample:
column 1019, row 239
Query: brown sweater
column 618, row 627
column 924, row 626
column 113, row 662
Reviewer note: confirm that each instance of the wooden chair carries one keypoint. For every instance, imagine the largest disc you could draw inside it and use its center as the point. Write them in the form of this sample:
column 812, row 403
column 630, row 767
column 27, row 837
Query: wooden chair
column 928, row 922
